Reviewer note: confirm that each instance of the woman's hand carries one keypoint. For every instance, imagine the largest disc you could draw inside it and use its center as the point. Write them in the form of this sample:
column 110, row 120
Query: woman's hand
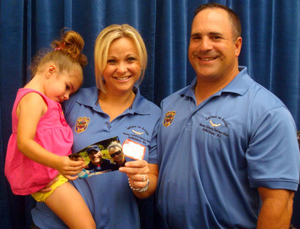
column 138, row 173
column 47, row 187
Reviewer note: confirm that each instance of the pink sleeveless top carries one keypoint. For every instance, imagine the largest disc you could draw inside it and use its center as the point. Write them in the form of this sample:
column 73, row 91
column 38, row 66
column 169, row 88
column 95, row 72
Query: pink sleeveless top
column 53, row 133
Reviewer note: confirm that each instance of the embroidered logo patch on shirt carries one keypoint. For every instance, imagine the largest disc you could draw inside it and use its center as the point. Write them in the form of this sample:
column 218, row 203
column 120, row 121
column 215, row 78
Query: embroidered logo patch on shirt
column 215, row 126
column 81, row 124
column 169, row 117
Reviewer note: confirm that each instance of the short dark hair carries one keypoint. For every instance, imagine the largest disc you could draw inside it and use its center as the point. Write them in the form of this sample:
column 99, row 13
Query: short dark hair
column 234, row 18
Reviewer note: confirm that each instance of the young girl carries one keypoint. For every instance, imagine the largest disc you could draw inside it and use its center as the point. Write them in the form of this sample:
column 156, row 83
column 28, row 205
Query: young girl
column 41, row 141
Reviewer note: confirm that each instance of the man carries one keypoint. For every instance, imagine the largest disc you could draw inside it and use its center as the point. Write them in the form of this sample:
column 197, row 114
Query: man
column 116, row 152
column 97, row 163
column 228, row 153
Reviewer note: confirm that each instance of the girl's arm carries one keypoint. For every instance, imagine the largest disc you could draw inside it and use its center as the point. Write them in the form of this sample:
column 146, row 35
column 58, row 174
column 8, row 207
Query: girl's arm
column 29, row 111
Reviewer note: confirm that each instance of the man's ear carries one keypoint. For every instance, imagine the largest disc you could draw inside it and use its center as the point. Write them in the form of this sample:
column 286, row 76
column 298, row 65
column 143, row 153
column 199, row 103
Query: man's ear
column 51, row 69
column 238, row 46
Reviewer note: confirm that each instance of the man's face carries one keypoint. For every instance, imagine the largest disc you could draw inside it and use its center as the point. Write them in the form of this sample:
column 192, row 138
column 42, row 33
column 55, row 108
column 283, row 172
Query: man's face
column 213, row 50
column 116, row 154
column 95, row 156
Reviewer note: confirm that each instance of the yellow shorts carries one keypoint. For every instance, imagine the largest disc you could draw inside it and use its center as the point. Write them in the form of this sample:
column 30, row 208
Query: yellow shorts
column 42, row 196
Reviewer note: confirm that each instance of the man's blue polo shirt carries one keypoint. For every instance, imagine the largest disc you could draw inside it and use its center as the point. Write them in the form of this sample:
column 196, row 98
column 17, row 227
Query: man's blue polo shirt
column 212, row 157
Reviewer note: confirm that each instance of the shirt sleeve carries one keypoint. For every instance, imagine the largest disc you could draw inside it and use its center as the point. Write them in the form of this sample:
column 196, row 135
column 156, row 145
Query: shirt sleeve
column 153, row 145
column 273, row 153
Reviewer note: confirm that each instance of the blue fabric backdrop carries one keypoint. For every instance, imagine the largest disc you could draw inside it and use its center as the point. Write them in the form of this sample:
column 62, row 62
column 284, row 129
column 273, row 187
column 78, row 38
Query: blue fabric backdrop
column 271, row 49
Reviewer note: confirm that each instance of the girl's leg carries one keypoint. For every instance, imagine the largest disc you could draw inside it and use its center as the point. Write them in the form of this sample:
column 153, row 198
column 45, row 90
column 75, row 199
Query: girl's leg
column 67, row 203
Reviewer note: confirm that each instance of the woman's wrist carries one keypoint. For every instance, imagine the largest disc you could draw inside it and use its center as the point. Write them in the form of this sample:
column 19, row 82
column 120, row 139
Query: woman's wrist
column 144, row 189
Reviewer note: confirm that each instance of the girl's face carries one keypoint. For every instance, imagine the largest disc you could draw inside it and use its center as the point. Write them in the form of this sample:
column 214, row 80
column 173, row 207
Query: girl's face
column 61, row 85
column 123, row 67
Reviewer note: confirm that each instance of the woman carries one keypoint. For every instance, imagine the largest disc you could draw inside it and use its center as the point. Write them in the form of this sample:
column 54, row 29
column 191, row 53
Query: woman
column 114, row 108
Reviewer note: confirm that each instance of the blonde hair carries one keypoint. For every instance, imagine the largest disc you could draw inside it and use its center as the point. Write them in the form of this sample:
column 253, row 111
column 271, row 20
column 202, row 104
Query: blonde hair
column 114, row 145
column 103, row 42
column 66, row 54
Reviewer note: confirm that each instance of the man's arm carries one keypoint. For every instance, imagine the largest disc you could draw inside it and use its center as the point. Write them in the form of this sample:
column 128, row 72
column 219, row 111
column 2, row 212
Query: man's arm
column 277, row 208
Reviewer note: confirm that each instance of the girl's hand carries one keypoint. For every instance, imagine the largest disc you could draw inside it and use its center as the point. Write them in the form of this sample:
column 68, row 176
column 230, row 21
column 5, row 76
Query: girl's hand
column 69, row 168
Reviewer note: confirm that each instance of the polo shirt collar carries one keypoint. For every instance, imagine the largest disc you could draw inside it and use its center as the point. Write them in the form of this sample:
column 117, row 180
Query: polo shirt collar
column 90, row 98
column 239, row 85
column 140, row 105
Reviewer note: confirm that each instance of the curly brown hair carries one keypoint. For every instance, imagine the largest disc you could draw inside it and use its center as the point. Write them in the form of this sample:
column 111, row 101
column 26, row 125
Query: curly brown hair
column 66, row 53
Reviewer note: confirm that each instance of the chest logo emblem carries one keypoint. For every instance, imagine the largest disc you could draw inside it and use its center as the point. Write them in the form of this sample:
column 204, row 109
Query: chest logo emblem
column 81, row 124
column 137, row 132
column 214, row 125
column 169, row 117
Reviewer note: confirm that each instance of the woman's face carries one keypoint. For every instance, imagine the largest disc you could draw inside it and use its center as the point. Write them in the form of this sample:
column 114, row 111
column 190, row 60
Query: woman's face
column 123, row 67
